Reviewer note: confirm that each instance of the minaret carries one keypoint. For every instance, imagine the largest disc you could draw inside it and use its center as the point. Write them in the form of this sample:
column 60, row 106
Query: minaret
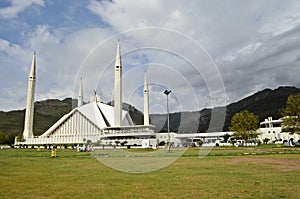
column 80, row 94
column 146, row 102
column 28, row 126
column 118, row 88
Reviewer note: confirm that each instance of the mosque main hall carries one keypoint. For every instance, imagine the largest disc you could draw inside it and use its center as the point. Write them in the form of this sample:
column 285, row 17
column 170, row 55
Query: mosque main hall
column 94, row 122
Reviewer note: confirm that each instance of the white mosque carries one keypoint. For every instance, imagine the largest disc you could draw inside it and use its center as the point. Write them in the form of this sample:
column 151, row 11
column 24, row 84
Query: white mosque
column 94, row 122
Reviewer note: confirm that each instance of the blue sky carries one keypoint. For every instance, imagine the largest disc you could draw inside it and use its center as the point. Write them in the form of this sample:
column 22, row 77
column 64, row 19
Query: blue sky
column 209, row 53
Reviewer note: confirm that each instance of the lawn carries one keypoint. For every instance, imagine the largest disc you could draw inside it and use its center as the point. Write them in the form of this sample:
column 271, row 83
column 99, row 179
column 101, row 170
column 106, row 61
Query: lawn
column 226, row 172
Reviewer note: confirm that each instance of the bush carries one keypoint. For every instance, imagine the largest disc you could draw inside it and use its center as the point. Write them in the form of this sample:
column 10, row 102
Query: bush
column 266, row 140
column 162, row 143
column 123, row 143
column 200, row 142
column 2, row 137
column 232, row 142
column 258, row 142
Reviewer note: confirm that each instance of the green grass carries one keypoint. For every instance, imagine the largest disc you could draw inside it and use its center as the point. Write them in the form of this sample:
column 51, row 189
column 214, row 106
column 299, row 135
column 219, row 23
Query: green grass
column 28, row 173
column 138, row 150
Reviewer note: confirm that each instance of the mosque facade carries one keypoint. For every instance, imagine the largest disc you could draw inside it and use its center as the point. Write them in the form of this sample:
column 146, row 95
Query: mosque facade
column 94, row 122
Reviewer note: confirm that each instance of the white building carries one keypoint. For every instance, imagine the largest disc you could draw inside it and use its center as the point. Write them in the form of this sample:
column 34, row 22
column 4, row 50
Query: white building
column 272, row 130
column 94, row 122
column 166, row 137
column 209, row 139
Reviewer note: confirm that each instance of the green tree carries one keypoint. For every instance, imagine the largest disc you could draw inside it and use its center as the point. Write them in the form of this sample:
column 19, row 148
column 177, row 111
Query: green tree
column 226, row 137
column 291, row 114
column 200, row 142
column 20, row 137
column 244, row 125
column 10, row 139
column 2, row 137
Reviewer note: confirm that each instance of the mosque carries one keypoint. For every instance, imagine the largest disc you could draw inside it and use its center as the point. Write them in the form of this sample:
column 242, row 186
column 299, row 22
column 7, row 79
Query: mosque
column 94, row 122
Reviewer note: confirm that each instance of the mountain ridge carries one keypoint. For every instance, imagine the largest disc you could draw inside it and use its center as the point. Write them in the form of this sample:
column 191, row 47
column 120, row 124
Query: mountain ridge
column 264, row 103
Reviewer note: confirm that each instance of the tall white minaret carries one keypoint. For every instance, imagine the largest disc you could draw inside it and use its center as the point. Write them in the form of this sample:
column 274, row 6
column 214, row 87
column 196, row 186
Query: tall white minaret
column 146, row 102
column 80, row 95
column 118, row 88
column 28, row 126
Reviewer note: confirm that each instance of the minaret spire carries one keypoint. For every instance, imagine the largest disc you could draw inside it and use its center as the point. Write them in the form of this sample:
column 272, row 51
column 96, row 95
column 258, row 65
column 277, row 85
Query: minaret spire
column 80, row 94
column 118, row 88
column 28, row 126
column 146, row 101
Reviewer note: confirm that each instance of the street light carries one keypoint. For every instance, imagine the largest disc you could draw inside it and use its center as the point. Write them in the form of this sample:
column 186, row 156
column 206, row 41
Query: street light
column 167, row 92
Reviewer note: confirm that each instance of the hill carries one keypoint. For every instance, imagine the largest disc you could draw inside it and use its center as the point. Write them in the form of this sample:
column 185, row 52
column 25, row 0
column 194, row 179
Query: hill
column 46, row 113
column 264, row 103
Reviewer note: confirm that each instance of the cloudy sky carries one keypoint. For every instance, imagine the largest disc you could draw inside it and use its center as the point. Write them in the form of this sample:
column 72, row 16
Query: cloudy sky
column 209, row 53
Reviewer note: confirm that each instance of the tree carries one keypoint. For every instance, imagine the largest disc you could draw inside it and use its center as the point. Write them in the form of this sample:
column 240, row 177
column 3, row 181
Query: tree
column 10, row 139
column 226, row 137
column 291, row 114
column 200, row 142
column 2, row 137
column 244, row 125
column 20, row 137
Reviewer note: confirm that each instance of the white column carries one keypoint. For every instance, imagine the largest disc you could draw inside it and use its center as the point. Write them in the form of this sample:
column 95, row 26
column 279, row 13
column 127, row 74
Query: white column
column 28, row 126
column 146, row 102
column 80, row 94
column 118, row 88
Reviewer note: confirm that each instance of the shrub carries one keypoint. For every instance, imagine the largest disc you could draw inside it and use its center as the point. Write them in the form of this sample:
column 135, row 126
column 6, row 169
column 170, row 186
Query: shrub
column 162, row 143
column 200, row 142
column 266, row 140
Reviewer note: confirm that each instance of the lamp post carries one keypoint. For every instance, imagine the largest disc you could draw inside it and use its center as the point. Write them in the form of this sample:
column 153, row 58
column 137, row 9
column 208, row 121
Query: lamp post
column 167, row 92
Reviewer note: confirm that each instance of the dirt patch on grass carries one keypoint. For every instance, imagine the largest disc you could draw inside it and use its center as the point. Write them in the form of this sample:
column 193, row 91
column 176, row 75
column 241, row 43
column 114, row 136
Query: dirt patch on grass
column 279, row 164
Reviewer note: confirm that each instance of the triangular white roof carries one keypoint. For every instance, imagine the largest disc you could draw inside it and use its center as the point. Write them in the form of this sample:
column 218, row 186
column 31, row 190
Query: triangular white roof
column 103, row 115
column 99, row 114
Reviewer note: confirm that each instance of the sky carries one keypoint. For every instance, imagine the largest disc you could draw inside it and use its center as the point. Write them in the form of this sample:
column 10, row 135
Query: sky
column 208, row 53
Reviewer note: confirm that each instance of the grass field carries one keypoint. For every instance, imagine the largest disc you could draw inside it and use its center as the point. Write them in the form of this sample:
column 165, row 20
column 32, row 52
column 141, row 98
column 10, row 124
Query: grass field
column 258, row 172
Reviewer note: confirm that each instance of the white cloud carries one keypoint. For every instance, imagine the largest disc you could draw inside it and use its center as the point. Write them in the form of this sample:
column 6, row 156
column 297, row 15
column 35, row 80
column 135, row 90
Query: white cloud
column 249, row 49
column 58, row 63
column 18, row 6
column 253, row 44
column 283, row 24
